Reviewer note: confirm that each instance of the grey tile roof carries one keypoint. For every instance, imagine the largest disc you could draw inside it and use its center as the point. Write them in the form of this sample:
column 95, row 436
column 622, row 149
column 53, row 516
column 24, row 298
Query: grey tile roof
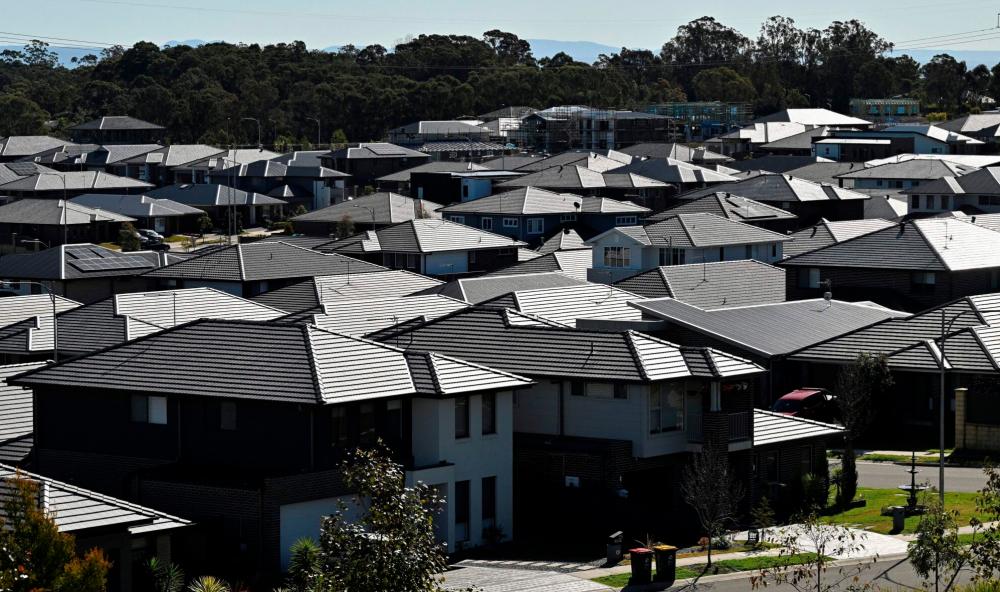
column 510, row 163
column 800, row 141
column 388, row 208
column 984, row 180
column 695, row 230
column 533, row 200
column 828, row 233
column 136, row 206
column 311, row 293
column 487, row 287
column 668, row 170
column 108, row 154
column 727, row 205
column 262, row 261
column 116, row 122
column 774, row 428
column 922, row 169
column 712, row 285
column 258, row 360
column 456, row 146
column 376, row 150
column 564, row 240
column 55, row 212
column 76, row 261
column 16, row 409
column 177, row 155
column 588, row 159
column 676, row 152
column 438, row 166
column 12, row 171
column 770, row 329
column 210, row 194
column 770, row 187
column 506, row 339
column 913, row 343
column 573, row 263
column 567, row 304
column 19, row 146
column 74, row 181
column 26, row 322
column 361, row 317
column 572, row 177
column 78, row 510
column 775, row 163
column 422, row 236
column 271, row 169
column 824, row 172
column 931, row 244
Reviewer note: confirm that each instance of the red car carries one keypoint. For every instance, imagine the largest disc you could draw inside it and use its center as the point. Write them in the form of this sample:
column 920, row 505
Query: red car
column 807, row 403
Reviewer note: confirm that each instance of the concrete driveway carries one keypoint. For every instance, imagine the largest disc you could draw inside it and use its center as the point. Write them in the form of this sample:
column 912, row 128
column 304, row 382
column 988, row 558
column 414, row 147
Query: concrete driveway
column 497, row 579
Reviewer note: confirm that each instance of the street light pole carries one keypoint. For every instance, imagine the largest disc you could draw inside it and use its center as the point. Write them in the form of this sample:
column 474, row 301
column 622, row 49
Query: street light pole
column 230, row 205
column 257, row 121
column 64, row 206
column 319, row 129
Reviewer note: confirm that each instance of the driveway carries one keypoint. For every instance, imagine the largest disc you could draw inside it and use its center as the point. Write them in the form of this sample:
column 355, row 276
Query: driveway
column 498, row 579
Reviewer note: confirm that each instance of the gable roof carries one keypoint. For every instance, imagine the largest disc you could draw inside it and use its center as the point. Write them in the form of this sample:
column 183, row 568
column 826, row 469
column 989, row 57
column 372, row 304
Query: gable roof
column 361, row 317
column 577, row 177
column 262, row 261
column 74, row 181
column 770, row 329
column 773, row 187
column 421, row 236
column 712, row 285
column 438, row 166
column 567, row 304
column 26, row 322
column 263, row 360
column 509, row 339
column 922, row 169
column 212, row 194
column 16, row 414
column 824, row 172
column 774, row 428
column 775, row 163
column 137, row 206
column 675, row 151
column 573, row 263
column 800, row 141
column 389, row 208
column 533, row 200
column 20, row 146
column 972, row 123
column 12, row 171
column 116, row 122
column 984, row 180
column 76, row 261
column 564, row 240
column 914, row 342
column 828, row 232
column 486, row 287
column 694, row 231
column 929, row 244
column 310, row 294
column 729, row 206
column 107, row 154
column 669, row 170
column 55, row 212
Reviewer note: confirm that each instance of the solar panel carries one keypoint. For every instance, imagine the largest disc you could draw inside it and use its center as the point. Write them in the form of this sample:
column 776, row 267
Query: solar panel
column 386, row 150
column 110, row 263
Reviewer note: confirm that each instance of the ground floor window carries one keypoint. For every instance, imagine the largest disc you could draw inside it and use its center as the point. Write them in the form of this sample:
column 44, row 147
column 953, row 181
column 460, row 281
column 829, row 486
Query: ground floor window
column 462, row 510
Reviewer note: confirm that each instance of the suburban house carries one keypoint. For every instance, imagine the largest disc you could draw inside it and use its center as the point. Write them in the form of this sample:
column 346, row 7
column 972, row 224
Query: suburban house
column 179, row 428
column 531, row 214
column 885, row 110
column 447, row 140
column 477, row 290
column 678, row 240
column 367, row 316
column 454, row 186
column 367, row 212
column 169, row 164
column 83, row 272
column 959, row 335
column 572, row 262
column 368, row 161
column 117, row 129
column 567, row 240
column 219, row 200
column 808, row 200
column 18, row 147
column 583, row 181
column 708, row 286
column 26, row 331
column 977, row 191
column 865, row 145
column 198, row 171
column 575, row 126
column 57, row 222
column 778, row 125
column 310, row 186
column 598, row 161
column 679, row 173
column 682, row 152
column 613, row 433
column 249, row 269
column 164, row 216
column 572, row 306
column 70, row 184
column 800, row 144
column 431, row 247
column 732, row 207
column 16, row 425
column 399, row 182
column 982, row 126
column 827, row 233
column 906, row 174
column 907, row 266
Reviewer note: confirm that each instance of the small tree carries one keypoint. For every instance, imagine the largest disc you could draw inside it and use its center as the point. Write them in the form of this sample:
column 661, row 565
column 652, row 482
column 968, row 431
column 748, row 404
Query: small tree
column 710, row 488
column 345, row 227
column 985, row 550
column 392, row 545
column 35, row 555
column 204, row 224
column 304, row 565
column 338, row 139
column 166, row 576
column 762, row 516
column 856, row 385
column 299, row 210
column 821, row 544
column 128, row 238
column 937, row 548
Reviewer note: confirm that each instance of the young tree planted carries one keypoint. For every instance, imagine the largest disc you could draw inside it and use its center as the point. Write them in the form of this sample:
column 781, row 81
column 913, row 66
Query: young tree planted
column 937, row 551
column 128, row 238
column 857, row 384
column 710, row 488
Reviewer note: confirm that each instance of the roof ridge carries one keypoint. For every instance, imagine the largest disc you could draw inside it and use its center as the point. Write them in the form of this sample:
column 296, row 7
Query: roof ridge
column 934, row 248
column 307, row 330
column 428, row 356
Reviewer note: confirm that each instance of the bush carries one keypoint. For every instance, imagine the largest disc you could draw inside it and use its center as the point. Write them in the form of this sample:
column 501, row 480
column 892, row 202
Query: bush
column 722, row 543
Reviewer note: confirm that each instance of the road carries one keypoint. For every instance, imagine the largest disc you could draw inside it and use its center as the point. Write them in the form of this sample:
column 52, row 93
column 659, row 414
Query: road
column 890, row 475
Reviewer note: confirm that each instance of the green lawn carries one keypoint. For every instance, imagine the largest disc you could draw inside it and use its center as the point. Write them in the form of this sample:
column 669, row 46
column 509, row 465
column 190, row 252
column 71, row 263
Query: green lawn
column 869, row 517
column 898, row 458
column 718, row 567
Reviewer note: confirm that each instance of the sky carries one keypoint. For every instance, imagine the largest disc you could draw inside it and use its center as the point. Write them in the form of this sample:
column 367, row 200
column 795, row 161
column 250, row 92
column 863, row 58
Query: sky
column 323, row 23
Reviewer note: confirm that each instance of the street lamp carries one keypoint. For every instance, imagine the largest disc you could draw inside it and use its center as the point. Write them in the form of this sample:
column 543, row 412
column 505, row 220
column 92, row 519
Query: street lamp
column 230, row 206
column 319, row 129
column 52, row 296
column 64, row 206
column 257, row 121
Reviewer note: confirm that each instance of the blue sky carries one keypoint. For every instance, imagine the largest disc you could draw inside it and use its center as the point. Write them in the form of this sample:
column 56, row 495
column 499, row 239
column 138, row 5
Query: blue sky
column 321, row 23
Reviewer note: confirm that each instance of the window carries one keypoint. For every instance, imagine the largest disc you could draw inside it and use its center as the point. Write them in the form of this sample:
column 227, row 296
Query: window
column 809, row 277
column 227, row 415
column 897, row 184
column 930, row 202
column 465, row 191
column 923, row 282
column 486, row 223
column 878, row 183
column 626, row 220
column 510, row 223
column 462, row 510
column 489, row 507
column 617, row 257
column 536, row 225
column 715, row 398
column 490, row 413
column 458, row 219
column 366, row 424
column 748, row 252
column 148, row 409
column 944, row 202
column 666, row 408
column 774, row 250
column 577, row 388
column 915, row 202
column 394, row 419
column 567, row 217
column 672, row 256
column 621, row 391
column 461, row 417
column 338, row 426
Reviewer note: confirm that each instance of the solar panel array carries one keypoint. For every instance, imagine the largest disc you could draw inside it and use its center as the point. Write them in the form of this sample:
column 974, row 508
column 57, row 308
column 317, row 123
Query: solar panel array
column 386, row 150
column 110, row 263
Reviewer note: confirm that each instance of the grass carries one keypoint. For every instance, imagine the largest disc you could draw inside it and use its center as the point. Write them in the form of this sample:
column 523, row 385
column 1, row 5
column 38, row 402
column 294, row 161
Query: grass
column 718, row 567
column 897, row 458
column 177, row 238
column 870, row 516
column 736, row 548
column 112, row 246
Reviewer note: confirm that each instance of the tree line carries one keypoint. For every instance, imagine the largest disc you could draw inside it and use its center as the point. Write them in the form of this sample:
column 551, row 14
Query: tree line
column 202, row 94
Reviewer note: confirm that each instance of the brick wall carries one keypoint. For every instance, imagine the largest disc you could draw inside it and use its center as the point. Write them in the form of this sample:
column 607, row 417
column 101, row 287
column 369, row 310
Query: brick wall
column 973, row 436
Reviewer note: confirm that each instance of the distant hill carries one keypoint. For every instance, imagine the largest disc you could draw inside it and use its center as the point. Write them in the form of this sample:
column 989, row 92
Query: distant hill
column 581, row 51
column 971, row 57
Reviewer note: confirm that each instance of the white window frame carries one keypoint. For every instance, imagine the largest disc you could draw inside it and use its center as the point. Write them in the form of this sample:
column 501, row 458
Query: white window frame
column 626, row 220
column 457, row 219
column 155, row 409
column 536, row 225
column 567, row 217
column 511, row 223
column 618, row 257
column 486, row 223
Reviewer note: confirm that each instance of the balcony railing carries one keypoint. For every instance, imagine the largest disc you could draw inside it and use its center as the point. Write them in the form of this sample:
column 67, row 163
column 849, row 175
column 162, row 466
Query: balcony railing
column 720, row 427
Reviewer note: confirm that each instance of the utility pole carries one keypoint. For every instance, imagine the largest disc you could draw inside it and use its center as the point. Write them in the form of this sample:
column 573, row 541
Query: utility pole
column 257, row 121
column 319, row 129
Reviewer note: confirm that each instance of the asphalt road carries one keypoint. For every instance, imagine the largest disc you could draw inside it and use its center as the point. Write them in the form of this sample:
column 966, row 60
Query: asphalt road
column 889, row 475
column 887, row 575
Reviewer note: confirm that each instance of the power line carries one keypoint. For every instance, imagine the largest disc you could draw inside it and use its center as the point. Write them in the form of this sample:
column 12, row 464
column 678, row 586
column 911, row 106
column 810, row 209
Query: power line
column 43, row 37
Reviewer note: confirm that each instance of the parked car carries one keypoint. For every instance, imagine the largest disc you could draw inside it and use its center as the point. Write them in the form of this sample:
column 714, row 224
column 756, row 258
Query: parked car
column 808, row 403
column 150, row 235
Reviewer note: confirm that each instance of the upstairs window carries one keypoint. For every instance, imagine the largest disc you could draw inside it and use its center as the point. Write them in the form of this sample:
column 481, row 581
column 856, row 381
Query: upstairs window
column 486, row 223
column 617, row 257
column 923, row 282
column 149, row 409
column 490, row 413
column 809, row 277
column 666, row 408
column 457, row 219
column 626, row 220
column 510, row 223
column 461, row 417
column 915, row 202
column 672, row 256
column 536, row 225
